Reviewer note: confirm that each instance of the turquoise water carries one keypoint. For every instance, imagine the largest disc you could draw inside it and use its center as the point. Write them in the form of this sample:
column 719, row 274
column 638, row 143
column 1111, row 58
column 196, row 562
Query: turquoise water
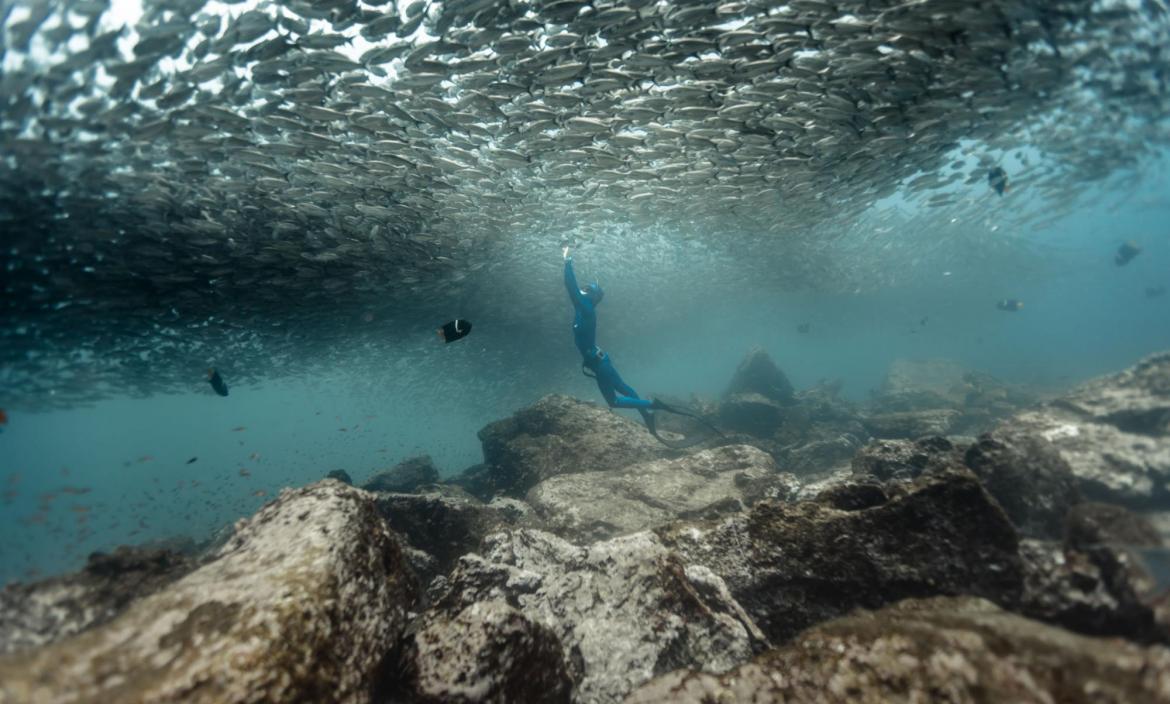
column 90, row 478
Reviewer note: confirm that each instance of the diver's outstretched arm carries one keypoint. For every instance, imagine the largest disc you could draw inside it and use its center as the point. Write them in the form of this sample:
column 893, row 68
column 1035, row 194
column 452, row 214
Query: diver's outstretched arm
column 579, row 301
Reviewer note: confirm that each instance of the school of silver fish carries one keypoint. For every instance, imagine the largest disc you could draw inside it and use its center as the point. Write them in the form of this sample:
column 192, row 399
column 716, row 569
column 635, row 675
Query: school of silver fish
column 217, row 176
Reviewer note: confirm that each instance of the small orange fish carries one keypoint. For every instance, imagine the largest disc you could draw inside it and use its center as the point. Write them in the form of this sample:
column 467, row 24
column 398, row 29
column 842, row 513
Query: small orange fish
column 3, row 417
column 259, row 492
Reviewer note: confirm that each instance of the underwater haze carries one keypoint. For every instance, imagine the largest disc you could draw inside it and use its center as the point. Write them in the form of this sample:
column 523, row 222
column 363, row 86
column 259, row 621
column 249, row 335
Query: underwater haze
column 299, row 193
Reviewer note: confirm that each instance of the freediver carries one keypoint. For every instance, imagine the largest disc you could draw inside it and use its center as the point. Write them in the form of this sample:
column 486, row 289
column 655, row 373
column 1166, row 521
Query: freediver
column 617, row 393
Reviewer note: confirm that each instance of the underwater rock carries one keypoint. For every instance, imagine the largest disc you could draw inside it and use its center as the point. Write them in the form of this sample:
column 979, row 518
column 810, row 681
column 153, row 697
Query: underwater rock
column 750, row 413
column 934, row 384
column 1095, row 592
column 1136, row 400
column 813, row 486
column 597, row 505
column 406, row 476
column 476, row 480
column 819, row 455
column 304, row 603
column 1092, row 523
column 1113, row 433
column 813, row 432
column 910, row 425
column 1031, row 481
column 488, row 652
column 932, row 650
column 520, row 513
column 825, row 396
column 794, row 565
column 904, row 459
column 853, row 495
column 447, row 523
column 758, row 374
column 340, row 475
column 623, row 610
column 32, row 615
column 557, row 435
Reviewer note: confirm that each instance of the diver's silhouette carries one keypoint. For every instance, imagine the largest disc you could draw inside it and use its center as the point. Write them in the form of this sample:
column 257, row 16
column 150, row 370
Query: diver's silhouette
column 617, row 393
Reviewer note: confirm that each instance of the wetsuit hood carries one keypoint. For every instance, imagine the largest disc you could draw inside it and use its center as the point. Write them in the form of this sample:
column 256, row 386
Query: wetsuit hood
column 593, row 292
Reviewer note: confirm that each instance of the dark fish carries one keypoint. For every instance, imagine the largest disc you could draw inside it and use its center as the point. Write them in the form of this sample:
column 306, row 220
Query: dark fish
column 1010, row 304
column 4, row 416
column 1151, row 292
column 192, row 460
column 454, row 330
column 1126, row 252
column 924, row 321
column 216, row 382
column 998, row 180
column 803, row 328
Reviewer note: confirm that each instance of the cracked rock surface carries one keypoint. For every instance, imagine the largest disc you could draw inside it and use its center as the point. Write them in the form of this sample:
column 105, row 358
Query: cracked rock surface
column 952, row 650
column 303, row 603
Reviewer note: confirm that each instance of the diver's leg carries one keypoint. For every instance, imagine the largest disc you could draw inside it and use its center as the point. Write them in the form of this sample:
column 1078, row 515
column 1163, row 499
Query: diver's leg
column 625, row 396
column 605, row 386
column 628, row 398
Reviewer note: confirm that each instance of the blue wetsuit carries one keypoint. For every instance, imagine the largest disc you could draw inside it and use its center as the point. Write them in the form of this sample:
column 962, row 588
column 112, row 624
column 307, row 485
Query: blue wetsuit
column 617, row 393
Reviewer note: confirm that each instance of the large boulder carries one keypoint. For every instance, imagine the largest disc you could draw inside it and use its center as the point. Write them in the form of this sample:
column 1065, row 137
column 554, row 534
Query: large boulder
column 303, row 603
column 1113, row 434
column 1028, row 478
column 952, row 650
column 751, row 413
column 406, row 476
column 794, row 565
column 39, row 613
column 623, row 611
column 758, row 374
column 596, row 505
column 557, row 435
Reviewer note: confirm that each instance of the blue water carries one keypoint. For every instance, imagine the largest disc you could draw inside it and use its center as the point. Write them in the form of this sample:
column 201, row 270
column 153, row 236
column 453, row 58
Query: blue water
column 86, row 479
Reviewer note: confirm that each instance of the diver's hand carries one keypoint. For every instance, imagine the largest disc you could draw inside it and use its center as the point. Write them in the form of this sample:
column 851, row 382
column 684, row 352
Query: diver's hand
column 565, row 252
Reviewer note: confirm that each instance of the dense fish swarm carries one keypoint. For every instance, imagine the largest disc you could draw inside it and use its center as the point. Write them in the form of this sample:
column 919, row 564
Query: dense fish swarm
column 186, row 184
